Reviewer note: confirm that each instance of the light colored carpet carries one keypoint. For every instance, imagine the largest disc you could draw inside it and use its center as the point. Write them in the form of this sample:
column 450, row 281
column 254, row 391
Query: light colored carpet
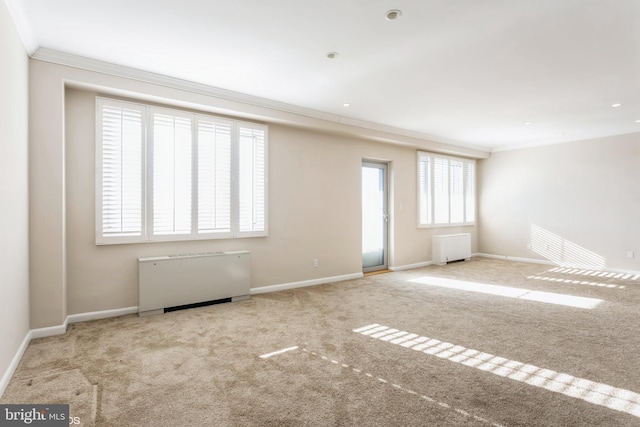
column 403, row 348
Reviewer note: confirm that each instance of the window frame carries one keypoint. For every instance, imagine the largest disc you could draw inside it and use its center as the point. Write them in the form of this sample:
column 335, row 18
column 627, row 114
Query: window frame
column 425, row 194
column 147, row 179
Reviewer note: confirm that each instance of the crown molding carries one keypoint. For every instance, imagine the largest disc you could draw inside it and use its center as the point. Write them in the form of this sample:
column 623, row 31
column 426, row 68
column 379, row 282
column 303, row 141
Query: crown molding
column 346, row 123
column 543, row 143
column 89, row 64
column 18, row 15
column 524, row 145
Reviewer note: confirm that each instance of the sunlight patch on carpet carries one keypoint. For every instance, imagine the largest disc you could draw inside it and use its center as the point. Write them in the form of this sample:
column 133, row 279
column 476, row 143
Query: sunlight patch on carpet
column 275, row 353
column 590, row 391
column 509, row 292
column 576, row 282
column 595, row 273
column 403, row 389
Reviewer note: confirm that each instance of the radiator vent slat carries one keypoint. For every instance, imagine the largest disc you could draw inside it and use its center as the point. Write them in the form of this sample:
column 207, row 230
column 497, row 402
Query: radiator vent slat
column 175, row 282
column 196, row 305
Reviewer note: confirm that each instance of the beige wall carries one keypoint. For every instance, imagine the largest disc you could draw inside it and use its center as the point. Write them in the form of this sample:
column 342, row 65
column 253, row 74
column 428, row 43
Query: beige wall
column 14, row 272
column 314, row 184
column 582, row 198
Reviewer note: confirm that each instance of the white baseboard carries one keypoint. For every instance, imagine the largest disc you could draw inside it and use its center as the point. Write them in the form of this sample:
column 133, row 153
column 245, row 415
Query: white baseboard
column 4, row 381
column 104, row 314
column 411, row 266
column 49, row 331
column 518, row 259
column 304, row 283
column 81, row 317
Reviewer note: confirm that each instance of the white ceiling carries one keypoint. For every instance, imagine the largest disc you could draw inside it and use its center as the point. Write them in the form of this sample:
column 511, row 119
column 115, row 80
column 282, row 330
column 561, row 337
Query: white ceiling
column 471, row 72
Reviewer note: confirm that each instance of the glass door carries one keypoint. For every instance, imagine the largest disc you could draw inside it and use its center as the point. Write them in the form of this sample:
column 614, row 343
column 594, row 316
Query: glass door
column 375, row 216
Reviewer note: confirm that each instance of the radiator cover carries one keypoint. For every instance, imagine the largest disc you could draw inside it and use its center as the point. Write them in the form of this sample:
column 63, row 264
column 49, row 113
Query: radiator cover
column 451, row 247
column 170, row 281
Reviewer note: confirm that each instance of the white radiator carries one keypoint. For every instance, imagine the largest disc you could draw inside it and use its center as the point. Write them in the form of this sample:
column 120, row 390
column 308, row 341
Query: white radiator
column 178, row 280
column 451, row 247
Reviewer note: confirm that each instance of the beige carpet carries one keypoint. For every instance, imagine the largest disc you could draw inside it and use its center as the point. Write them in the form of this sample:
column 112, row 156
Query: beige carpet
column 379, row 351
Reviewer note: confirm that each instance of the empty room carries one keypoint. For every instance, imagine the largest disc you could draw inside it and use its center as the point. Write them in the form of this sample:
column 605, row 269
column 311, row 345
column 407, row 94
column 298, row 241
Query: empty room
column 337, row 213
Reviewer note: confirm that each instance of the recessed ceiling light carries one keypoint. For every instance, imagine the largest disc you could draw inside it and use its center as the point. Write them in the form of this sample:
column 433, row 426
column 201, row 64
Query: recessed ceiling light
column 393, row 14
column 528, row 123
column 332, row 55
column 616, row 105
column 346, row 104
column 638, row 121
column 560, row 133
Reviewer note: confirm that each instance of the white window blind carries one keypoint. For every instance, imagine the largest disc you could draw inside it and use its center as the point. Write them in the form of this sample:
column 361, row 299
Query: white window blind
column 470, row 191
column 167, row 174
column 172, row 173
column 425, row 192
column 214, row 176
column 440, row 190
column 446, row 190
column 252, row 179
column 120, row 169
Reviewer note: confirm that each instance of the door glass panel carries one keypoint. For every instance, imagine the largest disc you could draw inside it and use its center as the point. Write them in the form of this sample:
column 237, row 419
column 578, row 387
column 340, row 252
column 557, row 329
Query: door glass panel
column 374, row 217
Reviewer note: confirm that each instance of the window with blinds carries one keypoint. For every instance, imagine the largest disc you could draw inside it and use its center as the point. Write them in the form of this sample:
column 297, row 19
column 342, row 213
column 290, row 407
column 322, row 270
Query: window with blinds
column 446, row 190
column 165, row 174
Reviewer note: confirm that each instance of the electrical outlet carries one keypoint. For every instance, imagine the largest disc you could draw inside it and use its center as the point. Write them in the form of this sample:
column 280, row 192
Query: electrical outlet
column 315, row 263
column 630, row 254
